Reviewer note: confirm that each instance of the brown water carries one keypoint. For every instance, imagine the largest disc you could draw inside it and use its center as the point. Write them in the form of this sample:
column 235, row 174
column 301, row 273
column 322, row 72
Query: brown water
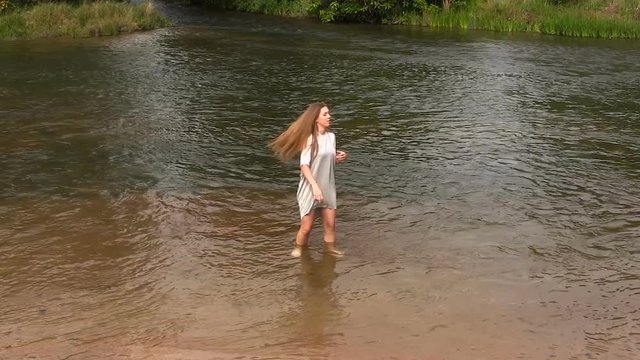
column 489, row 208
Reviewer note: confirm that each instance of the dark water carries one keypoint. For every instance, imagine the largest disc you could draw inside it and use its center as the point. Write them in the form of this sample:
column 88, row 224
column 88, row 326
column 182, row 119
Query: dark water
column 489, row 208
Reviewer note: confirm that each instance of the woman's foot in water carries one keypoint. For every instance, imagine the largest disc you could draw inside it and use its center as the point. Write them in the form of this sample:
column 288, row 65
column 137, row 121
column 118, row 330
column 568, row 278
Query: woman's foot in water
column 331, row 249
column 297, row 249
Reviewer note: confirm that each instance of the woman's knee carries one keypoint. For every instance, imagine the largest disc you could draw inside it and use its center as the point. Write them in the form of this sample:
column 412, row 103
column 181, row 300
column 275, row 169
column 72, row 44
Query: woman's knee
column 305, row 229
column 306, row 224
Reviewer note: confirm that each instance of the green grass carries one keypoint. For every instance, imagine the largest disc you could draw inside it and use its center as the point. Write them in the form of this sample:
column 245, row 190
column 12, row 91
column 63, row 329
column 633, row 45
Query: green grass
column 89, row 19
column 582, row 18
column 594, row 18
column 13, row 25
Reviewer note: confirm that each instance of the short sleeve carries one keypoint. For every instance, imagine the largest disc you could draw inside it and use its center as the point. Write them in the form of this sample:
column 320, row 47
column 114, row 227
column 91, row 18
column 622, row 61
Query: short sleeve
column 305, row 155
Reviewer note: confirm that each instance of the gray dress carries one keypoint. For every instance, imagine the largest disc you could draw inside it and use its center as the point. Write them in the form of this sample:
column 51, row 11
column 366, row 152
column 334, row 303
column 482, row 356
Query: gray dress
column 322, row 169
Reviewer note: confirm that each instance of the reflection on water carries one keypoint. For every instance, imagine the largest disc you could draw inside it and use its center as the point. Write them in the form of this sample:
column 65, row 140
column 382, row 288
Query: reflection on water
column 488, row 208
column 318, row 304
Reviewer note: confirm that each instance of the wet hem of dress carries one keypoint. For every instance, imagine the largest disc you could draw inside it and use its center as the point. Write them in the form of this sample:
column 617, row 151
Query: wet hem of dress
column 317, row 208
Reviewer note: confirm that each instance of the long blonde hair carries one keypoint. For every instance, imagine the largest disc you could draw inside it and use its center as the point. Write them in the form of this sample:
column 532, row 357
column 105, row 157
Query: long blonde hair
column 293, row 140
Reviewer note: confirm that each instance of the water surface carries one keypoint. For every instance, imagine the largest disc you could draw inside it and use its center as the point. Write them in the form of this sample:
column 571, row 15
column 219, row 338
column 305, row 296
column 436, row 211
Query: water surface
column 489, row 206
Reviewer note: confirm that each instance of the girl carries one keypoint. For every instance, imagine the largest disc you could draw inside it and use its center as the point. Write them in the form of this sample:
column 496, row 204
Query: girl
column 309, row 137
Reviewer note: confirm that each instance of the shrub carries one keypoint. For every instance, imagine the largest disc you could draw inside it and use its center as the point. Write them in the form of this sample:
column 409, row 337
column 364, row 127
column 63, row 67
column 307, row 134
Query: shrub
column 5, row 5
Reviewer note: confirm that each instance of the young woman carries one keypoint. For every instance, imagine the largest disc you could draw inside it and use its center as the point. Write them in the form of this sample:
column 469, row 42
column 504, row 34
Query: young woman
column 309, row 137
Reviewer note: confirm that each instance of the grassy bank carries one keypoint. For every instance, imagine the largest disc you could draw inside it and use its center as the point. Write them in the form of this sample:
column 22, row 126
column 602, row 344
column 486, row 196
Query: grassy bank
column 582, row 18
column 88, row 19
column 587, row 18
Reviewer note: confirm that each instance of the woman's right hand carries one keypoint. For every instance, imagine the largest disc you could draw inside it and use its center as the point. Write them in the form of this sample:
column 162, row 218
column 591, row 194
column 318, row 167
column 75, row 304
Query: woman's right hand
column 317, row 193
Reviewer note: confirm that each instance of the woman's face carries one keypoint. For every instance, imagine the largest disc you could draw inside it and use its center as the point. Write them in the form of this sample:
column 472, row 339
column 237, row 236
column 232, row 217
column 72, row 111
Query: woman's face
column 324, row 119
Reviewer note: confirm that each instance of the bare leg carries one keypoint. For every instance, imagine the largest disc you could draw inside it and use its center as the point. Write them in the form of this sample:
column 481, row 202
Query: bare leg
column 329, row 224
column 302, row 237
column 306, row 224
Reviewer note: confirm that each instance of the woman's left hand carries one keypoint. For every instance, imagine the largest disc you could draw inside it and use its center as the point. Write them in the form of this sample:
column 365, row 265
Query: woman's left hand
column 341, row 156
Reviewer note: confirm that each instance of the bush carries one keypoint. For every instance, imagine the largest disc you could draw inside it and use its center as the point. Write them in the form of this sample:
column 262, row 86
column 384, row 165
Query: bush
column 5, row 5
column 369, row 11
column 380, row 11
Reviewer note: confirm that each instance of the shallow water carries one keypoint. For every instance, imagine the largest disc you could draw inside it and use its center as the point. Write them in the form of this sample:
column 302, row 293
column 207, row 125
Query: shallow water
column 489, row 206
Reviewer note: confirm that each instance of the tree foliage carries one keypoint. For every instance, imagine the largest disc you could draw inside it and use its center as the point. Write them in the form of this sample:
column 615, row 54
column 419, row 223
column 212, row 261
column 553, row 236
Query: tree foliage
column 376, row 11
column 5, row 5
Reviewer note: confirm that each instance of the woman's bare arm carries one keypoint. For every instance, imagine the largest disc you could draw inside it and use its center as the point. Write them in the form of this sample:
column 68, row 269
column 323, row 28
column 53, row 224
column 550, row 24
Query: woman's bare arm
column 306, row 172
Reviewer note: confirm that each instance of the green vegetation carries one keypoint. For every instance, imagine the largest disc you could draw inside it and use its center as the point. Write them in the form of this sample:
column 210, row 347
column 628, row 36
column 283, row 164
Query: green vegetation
column 87, row 19
column 584, row 18
column 291, row 8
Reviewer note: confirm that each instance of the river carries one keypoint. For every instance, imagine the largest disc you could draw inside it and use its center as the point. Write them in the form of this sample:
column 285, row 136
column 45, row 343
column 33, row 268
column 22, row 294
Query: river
column 489, row 208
